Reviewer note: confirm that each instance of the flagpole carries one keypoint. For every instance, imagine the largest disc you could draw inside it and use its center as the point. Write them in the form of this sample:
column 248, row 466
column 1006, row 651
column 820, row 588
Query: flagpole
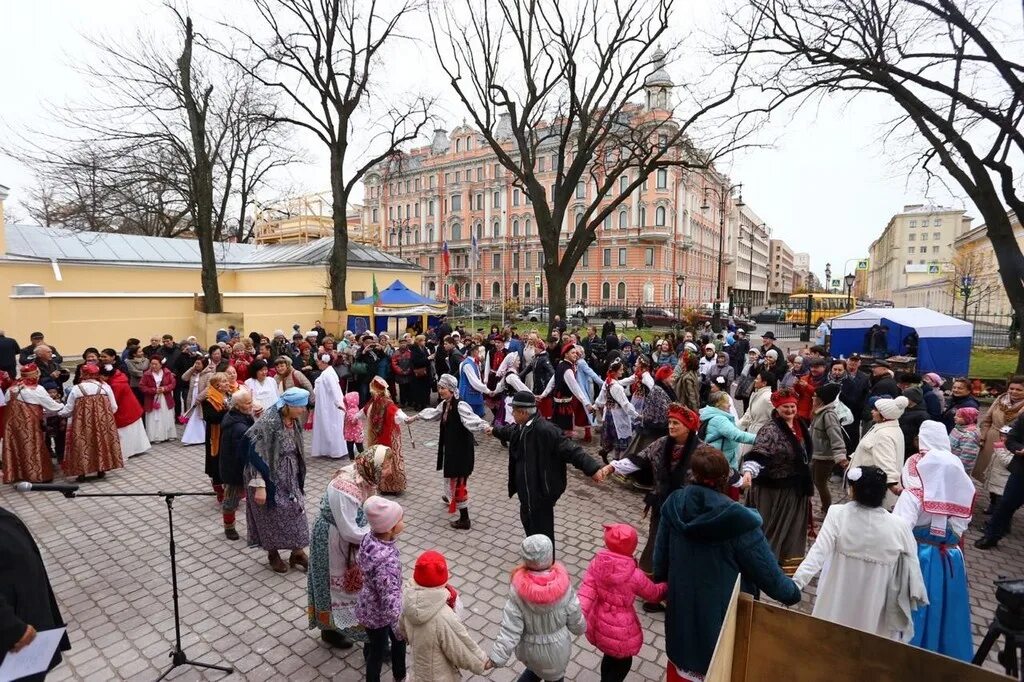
column 472, row 276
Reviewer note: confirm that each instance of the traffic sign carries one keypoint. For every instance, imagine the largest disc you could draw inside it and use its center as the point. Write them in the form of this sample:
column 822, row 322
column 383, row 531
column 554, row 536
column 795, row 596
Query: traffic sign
column 967, row 281
column 836, row 284
column 862, row 264
column 933, row 269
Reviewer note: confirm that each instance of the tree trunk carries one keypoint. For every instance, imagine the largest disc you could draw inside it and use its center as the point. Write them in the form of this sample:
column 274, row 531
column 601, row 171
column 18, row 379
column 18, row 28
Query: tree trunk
column 201, row 176
column 555, row 280
column 338, row 267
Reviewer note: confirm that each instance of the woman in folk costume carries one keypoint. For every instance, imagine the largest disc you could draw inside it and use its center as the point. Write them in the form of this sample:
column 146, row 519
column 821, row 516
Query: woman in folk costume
column 215, row 407
column 25, row 455
column 652, row 402
column 261, row 385
column 92, row 443
column 383, row 422
column 130, row 430
column 329, row 425
column 508, row 384
column 456, row 450
column 157, row 385
column 870, row 576
column 6, row 381
column 494, row 360
column 777, row 470
column 937, row 500
column 334, row 580
column 619, row 413
column 571, row 403
column 275, row 476
column 197, row 378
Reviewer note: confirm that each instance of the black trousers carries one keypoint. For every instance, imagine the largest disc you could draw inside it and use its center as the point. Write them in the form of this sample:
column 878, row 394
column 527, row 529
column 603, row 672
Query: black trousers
column 538, row 519
column 180, row 391
column 374, row 649
column 853, row 435
column 1013, row 497
column 530, row 676
column 615, row 669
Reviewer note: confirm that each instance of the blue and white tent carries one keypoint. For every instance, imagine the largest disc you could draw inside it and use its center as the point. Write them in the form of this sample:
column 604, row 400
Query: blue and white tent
column 944, row 344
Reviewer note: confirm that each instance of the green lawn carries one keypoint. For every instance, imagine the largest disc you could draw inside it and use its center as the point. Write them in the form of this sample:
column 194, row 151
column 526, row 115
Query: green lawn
column 993, row 364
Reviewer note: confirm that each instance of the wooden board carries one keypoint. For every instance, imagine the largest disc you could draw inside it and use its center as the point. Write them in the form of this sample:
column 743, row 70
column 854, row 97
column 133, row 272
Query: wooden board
column 721, row 666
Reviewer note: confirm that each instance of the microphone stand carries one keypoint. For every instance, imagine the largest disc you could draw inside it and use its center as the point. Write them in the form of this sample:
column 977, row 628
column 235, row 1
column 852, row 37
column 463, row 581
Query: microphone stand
column 177, row 654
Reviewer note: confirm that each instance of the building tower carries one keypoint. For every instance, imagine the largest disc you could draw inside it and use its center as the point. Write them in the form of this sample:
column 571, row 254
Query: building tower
column 659, row 84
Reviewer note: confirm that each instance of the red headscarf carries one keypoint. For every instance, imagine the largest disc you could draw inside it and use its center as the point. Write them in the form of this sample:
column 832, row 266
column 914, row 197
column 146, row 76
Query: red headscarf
column 784, row 396
column 684, row 416
column 664, row 373
column 30, row 375
column 89, row 371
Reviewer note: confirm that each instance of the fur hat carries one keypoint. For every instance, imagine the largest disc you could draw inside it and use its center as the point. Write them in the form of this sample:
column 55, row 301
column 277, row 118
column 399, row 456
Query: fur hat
column 431, row 569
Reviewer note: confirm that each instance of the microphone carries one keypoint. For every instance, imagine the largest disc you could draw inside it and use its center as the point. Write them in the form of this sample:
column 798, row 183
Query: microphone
column 67, row 489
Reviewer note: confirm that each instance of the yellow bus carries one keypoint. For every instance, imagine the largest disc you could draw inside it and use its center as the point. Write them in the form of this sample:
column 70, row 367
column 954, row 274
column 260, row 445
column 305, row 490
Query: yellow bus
column 822, row 305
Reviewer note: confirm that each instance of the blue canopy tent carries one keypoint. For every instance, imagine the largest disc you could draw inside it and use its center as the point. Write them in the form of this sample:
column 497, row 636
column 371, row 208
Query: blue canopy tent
column 396, row 301
column 944, row 344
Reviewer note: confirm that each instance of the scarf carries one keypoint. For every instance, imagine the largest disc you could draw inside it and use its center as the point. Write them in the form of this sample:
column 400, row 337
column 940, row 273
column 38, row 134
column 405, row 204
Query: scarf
column 264, row 438
column 217, row 401
column 936, row 477
column 1008, row 407
column 378, row 413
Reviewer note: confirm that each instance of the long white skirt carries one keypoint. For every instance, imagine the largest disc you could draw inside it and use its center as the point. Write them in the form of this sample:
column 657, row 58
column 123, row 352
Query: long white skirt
column 160, row 424
column 195, row 428
column 133, row 439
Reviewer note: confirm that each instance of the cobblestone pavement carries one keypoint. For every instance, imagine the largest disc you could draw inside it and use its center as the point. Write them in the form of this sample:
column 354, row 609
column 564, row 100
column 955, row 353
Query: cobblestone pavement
column 107, row 558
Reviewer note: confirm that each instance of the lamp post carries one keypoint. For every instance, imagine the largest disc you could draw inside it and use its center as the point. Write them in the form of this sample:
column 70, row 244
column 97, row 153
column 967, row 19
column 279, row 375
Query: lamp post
column 828, row 278
column 849, row 280
column 680, row 280
column 722, row 193
column 516, row 243
column 400, row 227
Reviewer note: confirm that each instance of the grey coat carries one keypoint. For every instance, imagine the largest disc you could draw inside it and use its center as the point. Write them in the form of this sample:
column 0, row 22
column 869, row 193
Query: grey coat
column 827, row 435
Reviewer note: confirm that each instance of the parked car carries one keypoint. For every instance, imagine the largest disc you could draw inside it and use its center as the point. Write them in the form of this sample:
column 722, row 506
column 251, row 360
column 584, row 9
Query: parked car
column 577, row 311
column 614, row 313
column 769, row 315
column 658, row 317
column 745, row 325
column 537, row 314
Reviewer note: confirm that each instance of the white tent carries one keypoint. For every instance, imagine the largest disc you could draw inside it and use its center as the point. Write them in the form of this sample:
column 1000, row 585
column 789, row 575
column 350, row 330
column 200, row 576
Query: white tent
column 944, row 342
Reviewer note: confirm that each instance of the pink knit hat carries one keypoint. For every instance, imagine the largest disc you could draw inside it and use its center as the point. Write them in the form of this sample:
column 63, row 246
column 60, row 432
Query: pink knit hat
column 968, row 414
column 933, row 379
column 383, row 514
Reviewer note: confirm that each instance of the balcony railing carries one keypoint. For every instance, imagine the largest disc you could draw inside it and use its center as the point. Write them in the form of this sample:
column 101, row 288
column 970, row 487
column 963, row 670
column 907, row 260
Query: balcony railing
column 654, row 233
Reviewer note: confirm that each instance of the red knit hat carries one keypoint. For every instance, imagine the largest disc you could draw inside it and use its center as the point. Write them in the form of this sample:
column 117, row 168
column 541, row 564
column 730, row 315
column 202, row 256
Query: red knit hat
column 431, row 569
column 784, row 396
column 664, row 373
column 684, row 415
column 620, row 538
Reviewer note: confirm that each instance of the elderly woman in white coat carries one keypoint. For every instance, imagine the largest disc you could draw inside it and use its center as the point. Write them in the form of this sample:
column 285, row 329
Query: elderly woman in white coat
column 329, row 423
column 883, row 445
column 759, row 412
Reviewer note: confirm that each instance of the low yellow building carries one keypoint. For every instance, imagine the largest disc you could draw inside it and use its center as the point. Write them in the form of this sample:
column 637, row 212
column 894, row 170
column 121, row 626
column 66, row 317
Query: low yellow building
column 98, row 289
column 976, row 259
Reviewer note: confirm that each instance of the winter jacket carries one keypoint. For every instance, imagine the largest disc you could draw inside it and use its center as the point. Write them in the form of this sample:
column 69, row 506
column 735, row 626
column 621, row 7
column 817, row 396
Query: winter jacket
column 380, row 600
column 148, row 387
column 704, row 542
column 910, row 424
column 608, row 595
column 827, row 435
column 688, row 389
column 233, row 447
column 782, row 458
column 964, row 442
column 440, row 643
column 954, row 404
column 727, row 371
column 353, row 422
column 722, row 433
column 805, row 389
column 541, row 617
column 932, row 401
column 998, row 470
column 853, row 392
column 882, row 446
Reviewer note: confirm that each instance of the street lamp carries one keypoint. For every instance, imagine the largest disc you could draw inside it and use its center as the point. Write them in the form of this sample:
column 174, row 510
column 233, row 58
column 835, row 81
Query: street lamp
column 721, row 193
column 400, row 227
column 849, row 280
column 516, row 243
column 680, row 280
column 828, row 278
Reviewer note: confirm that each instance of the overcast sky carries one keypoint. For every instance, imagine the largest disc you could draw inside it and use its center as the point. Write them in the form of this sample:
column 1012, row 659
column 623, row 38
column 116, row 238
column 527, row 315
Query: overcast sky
column 826, row 185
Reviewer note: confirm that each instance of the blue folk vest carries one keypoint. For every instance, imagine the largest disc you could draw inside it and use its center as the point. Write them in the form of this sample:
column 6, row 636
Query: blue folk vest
column 467, row 393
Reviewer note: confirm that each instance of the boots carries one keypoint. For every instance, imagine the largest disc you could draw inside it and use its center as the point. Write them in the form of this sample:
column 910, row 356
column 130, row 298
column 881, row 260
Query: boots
column 586, row 435
column 230, row 533
column 298, row 558
column 276, row 562
column 462, row 523
column 335, row 639
column 993, row 501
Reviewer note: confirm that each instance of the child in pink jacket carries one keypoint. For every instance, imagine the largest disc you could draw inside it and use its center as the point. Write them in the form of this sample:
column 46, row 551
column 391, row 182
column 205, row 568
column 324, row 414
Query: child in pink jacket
column 353, row 424
column 611, row 585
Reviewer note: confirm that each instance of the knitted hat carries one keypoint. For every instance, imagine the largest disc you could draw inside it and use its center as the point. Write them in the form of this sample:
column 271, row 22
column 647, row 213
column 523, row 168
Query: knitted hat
column 664, row 373
column 783, row 397
column 524, row 399
column 684, row 415
column 431, row 569
column 383, row 514
column 969, row 415
column 914, row 395
column 933, row 379
column 827, row 393
column 891, row 408
column 537, row 552
column 620, row 538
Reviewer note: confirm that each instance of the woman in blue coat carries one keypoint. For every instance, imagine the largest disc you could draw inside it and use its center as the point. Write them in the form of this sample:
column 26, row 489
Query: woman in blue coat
column 705, row 540
column 721, row 431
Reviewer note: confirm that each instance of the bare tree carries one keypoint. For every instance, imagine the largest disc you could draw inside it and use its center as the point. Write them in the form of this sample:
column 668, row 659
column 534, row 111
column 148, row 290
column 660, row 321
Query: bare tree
column 939, row 61
column 563, row 79
column 320, row 54
column 971, row 282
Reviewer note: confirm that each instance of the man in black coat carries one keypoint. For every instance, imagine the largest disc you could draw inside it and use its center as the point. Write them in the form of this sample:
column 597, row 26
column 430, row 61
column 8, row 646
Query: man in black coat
column 537, row 455
column 738, row 351
column 9, row 350
column 231, row 457
column 27, row 603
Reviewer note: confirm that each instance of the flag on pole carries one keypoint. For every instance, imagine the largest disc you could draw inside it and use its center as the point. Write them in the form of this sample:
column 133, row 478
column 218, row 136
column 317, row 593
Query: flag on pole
column 376, row 294
column 446, row 262
column 474, row 252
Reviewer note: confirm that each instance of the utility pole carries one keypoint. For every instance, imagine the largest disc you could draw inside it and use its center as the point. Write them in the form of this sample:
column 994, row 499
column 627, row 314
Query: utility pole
column 722, row 193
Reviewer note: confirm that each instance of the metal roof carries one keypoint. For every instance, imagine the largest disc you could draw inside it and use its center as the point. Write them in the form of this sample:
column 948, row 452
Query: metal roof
column 49, row 243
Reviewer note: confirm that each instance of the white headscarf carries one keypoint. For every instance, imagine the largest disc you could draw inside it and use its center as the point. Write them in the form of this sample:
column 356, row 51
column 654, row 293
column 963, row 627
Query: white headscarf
column 510, row 363
column 937, row 478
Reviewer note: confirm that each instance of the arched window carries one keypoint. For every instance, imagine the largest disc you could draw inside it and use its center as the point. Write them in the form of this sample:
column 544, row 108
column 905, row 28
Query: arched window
column 456, row 232
column 495, row 290
column 649, row 293
column 526, row 291
column 465, row 290
column 458, row 144
column 469, row 143
column 430, row 234
column 496, row 229
column 479, row 231
column 415, row 236
column 659, row 216
column 572, row 291
column 584, row 291
column 527, row 227
column 623, row 219
column 431, row 288
column 608, row 221
column 515, row 228
column 579, row 219
column 620, row 291
column 643, row 216
column 606, row 291
column 515, row 289
column 479, row 290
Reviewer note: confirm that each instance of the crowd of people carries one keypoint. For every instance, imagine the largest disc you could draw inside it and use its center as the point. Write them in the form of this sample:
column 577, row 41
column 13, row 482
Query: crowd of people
column 727, row 441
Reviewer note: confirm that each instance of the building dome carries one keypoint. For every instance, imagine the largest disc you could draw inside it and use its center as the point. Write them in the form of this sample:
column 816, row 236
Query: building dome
column 659, row 78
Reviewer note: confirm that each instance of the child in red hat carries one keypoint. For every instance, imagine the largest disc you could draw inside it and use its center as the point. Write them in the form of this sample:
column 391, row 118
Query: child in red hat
column 608, row 594
column 440, row 643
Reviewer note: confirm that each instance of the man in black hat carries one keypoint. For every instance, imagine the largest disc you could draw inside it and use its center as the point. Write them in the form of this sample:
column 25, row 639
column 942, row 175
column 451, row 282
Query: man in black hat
column 537, row 455
column 767, row 344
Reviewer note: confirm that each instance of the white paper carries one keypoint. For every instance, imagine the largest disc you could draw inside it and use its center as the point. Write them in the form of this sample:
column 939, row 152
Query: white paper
column 33, row 659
